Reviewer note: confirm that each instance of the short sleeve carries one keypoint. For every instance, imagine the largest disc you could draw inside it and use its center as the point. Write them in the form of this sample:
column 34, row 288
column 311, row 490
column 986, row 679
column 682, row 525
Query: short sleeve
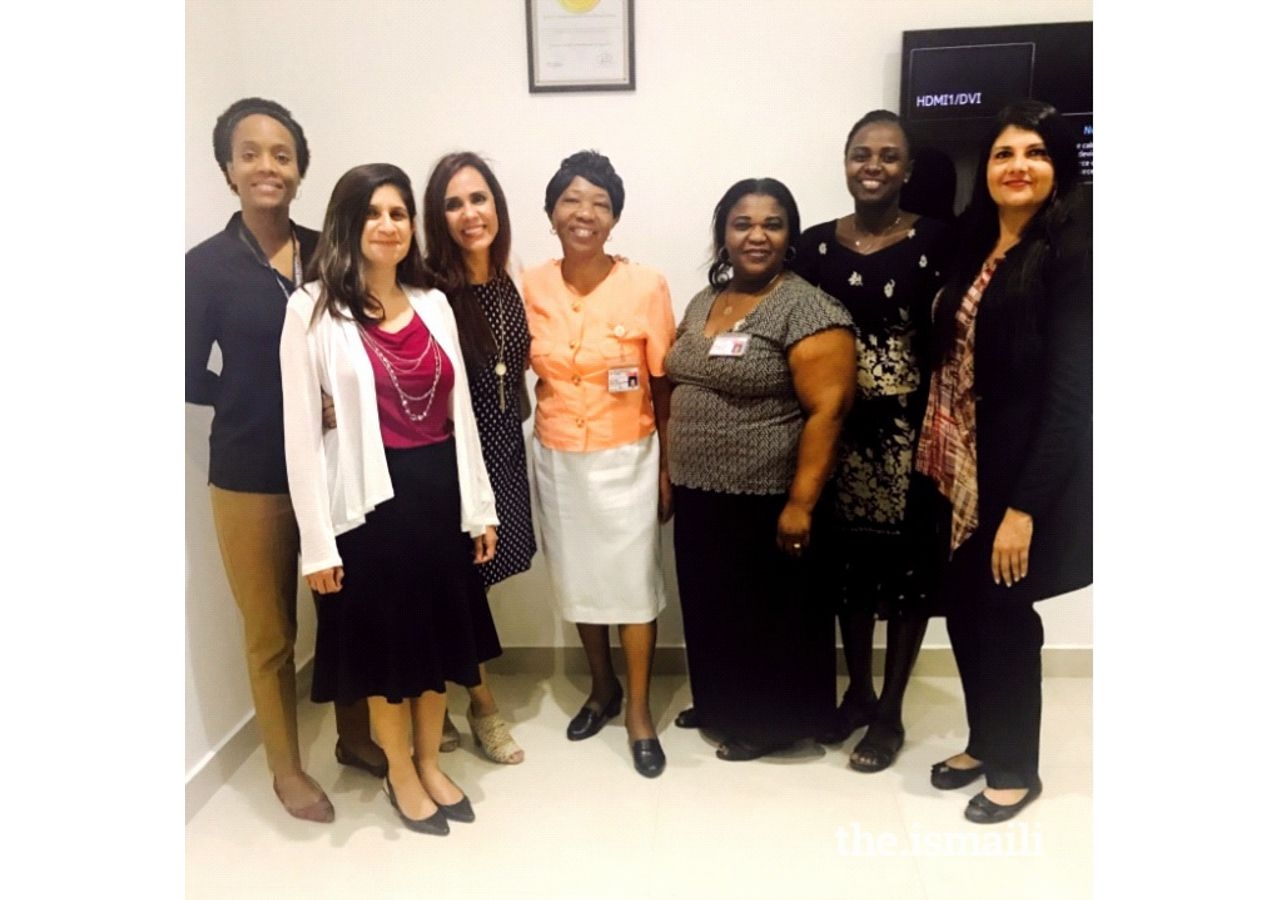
column 660, row 327
column 811, row 311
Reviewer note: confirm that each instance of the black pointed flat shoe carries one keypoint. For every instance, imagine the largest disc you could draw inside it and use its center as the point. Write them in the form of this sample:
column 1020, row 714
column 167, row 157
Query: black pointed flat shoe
column 588, row 721
column 945, row 778
column 648, row 757
column 982, row 810
column 460, row 811
column 437, row 823
column 688, row 718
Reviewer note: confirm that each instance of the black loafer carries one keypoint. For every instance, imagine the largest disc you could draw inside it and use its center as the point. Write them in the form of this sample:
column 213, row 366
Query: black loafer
column 688, row 718
column 984, row 811
column 347, row 758
column 945, row 778
column 589, row 721
column 647, row 754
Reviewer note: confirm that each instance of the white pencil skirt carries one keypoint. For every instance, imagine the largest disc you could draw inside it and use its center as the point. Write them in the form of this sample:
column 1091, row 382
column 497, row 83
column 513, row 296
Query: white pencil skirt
column 599, row 518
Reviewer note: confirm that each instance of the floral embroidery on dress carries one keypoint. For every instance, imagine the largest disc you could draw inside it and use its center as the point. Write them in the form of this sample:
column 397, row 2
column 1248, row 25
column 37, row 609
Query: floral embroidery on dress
column 855, row 280
column 911, row 233
column 924, row 261
column 822, row 248
column 888, row 288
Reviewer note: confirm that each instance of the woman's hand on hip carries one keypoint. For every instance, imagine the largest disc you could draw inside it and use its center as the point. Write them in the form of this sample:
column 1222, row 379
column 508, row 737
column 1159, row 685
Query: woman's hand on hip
column 1011, row 552
column 793, row 529
column 486, row 545
column 326, row 581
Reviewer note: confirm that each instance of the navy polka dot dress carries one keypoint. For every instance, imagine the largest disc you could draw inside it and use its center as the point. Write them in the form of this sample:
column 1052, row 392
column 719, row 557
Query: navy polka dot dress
column 501, row 435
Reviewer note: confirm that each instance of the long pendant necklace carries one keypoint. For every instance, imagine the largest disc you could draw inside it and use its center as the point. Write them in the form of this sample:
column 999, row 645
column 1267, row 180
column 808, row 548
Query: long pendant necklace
column 500, row 367
column 407, row 367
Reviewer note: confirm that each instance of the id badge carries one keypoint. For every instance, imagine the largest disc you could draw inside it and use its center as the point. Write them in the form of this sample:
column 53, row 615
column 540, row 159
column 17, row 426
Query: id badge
column 729, row 343
column 624, row 379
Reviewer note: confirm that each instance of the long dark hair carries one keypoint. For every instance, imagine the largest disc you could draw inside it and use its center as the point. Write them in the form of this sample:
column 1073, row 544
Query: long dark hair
column 979, row 228
column 338, row 263
column 446, row 262
column 721, row 271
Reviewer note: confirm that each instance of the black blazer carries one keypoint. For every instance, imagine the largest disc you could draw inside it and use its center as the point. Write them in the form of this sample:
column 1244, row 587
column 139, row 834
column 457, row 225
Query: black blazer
column 1035, row 419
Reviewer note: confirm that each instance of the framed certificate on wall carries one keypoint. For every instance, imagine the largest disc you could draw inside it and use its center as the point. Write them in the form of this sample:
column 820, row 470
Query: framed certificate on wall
column 581, row 45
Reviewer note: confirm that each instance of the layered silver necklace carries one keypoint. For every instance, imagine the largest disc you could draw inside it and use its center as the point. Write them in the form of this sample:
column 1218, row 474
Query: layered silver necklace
column 399, row 365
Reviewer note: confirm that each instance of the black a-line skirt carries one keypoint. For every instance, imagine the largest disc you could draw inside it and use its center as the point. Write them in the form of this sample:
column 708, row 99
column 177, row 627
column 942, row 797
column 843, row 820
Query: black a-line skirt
column 757, row 623
column 412, row 613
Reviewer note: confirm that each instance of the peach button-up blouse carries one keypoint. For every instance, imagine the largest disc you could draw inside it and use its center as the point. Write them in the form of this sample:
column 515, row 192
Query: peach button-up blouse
column 624, row 327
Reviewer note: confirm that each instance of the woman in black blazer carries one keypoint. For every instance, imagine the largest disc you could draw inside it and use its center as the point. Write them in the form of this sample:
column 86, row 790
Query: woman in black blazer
column 1008, row 437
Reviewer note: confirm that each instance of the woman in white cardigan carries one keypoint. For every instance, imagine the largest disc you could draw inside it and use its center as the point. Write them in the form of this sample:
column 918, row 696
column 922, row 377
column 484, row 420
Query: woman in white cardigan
column 393, row 504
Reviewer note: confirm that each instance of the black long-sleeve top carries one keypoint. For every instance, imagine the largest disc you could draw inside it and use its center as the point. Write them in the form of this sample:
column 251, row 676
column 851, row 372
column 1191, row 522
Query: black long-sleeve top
column 236, row 299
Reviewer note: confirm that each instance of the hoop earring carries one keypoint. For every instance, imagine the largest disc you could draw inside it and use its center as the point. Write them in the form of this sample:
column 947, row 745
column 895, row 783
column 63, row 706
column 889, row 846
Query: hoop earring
column 790, row 255
column 722, row 256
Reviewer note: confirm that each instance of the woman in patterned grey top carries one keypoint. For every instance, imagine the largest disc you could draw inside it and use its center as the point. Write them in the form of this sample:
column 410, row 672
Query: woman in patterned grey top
column 763, row 373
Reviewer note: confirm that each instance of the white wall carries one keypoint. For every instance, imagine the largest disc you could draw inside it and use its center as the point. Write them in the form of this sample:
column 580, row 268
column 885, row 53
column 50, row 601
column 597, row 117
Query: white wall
column 726, row 89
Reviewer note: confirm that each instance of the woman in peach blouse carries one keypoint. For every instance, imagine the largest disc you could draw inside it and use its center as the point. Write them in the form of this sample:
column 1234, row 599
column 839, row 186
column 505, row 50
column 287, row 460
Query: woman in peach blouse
column 601, row 327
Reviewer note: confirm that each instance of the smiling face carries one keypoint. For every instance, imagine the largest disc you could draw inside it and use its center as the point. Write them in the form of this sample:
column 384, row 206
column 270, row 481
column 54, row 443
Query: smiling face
column 756, row 235
column 1019, row 170
column 263, row 170
column 388, row 229
column 583, row 218
column 470, row 212
column 876, row 163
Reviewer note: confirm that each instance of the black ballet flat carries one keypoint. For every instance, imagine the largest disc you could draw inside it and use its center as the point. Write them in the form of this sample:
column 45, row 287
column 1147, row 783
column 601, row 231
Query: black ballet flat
column 984, row 811
column 589, row 721
column 688, row 718
column 348, row 758
column 648, row 757
column 945, row 778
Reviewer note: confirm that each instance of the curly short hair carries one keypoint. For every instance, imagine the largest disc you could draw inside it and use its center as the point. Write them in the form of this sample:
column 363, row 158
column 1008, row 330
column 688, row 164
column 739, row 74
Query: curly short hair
column 225, row 127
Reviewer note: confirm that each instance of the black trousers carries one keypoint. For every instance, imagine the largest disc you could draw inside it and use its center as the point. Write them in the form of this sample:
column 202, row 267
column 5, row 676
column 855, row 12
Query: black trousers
column 997, row 646
column 757, row 623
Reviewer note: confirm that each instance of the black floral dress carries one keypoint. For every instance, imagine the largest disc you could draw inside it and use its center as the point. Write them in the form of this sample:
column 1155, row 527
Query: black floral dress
column 495, row 399
column 884, row 513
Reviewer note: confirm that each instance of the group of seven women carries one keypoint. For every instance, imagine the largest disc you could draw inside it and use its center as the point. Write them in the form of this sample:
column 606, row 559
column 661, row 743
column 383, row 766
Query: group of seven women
column 815, row 423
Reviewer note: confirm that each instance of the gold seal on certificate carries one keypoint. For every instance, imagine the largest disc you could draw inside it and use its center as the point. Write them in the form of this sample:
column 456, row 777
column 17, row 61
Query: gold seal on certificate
column 579, row 6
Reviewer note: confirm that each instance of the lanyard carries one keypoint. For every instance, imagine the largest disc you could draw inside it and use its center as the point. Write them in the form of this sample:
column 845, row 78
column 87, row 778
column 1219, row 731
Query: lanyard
column 262, row 260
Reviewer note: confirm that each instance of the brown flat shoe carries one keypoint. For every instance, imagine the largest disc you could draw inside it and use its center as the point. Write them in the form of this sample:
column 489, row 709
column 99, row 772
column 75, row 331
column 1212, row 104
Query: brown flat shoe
column 317, row 811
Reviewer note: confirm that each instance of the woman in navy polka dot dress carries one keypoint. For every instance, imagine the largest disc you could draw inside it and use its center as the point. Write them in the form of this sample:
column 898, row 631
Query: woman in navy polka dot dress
column 468, row 235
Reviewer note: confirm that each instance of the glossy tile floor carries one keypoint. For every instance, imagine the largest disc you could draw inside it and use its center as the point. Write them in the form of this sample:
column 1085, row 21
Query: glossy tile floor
column 575, row 821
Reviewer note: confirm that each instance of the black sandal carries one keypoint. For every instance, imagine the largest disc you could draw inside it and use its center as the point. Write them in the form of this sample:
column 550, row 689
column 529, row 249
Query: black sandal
column 850, row 716
column 879, row 746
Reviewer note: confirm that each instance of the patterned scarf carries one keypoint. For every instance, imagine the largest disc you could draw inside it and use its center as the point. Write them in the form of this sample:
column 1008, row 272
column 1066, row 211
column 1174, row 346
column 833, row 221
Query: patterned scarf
column 948, row 450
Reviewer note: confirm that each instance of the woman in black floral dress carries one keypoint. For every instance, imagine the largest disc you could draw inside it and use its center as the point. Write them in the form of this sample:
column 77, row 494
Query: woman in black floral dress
column 468, row 235
column 885, row 266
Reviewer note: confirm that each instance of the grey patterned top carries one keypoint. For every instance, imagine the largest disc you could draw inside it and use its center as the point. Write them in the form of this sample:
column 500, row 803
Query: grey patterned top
column 736, row 421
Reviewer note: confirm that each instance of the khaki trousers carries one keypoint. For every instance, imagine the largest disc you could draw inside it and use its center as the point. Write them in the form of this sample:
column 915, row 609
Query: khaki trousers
column 258, row 538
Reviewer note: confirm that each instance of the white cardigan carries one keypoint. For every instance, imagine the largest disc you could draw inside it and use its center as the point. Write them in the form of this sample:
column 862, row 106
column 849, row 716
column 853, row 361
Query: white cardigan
column 338, row 476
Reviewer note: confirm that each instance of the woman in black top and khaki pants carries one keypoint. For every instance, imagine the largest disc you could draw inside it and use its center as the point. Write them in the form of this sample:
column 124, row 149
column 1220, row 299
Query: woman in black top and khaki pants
column 237, row 285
